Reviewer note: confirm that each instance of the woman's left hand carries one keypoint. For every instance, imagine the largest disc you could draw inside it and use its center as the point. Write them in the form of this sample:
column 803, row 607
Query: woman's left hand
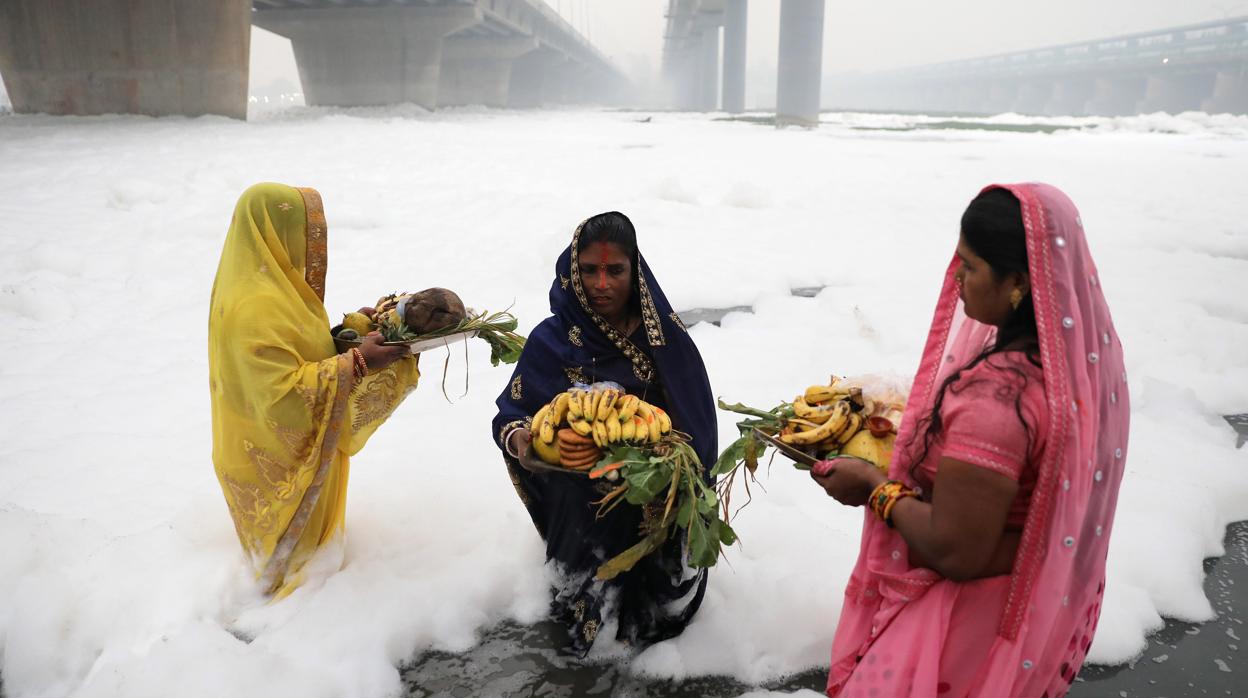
column 847, row 480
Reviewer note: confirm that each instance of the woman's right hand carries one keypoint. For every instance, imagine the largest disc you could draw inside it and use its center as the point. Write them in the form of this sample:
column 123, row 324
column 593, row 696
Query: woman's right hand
column 520, row 442
column 378, row 355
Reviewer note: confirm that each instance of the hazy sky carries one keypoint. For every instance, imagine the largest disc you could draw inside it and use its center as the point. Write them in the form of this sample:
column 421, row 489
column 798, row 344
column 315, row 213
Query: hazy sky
column 857, row 36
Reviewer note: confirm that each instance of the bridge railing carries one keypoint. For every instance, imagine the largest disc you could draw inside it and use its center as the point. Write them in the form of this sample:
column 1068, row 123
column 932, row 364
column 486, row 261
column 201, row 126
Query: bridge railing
column 1202, row 42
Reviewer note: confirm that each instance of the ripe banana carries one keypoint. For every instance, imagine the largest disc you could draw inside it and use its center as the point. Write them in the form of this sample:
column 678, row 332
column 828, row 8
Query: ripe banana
column 641, row 432
column 600, row 434
column 835, row 423
column 535, row 427
column 628, row 432
column 591, row 409
column 613, row 428
column 560, row 411
column 546, row 431
column 645, row 409
column 582, row 427
column 606, row 403
column 652, row 426
column 817, row 414
column 817, row 394
column 852, row 426
column 665, row 422
column 631, row 402
column 574, row 404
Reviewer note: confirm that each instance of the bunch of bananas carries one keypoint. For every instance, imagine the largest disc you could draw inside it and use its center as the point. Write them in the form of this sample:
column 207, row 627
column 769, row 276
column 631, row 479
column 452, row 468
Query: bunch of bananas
column 577, row 425
column 837, row 419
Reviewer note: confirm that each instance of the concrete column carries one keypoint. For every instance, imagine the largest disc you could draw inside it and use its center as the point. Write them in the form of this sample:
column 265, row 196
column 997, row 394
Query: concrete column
column 1175, row 93
column 735, row 21
column 1033, row 97
column 123, row 57
column 1070, row 97
column 529, row 75
column 801, row 62
column 708, row 68
column 1116, row 96
column 369, row 56
column 682, row 73
column 1230, row 93
column 477, row 70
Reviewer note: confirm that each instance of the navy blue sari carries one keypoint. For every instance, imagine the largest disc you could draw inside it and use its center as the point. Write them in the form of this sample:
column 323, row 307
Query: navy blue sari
column 660, row 363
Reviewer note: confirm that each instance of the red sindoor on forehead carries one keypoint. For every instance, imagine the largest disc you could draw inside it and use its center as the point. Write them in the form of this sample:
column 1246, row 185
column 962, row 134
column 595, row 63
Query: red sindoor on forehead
column 602, row 267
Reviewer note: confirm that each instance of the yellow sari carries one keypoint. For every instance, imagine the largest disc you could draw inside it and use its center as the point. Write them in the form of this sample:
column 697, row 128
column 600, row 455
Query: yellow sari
column 286, row 410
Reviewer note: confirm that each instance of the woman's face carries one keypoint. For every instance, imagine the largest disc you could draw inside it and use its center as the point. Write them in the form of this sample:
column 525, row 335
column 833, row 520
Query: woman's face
column 607, row 276
column 985, row 297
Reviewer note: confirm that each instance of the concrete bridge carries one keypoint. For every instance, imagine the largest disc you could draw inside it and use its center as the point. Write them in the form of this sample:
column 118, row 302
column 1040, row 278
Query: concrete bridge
column 191, row 56
column 691, row 57
column 1199, row 67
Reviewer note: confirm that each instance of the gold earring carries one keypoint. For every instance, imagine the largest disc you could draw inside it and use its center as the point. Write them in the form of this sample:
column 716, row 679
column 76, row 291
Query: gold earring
column 1016, row 297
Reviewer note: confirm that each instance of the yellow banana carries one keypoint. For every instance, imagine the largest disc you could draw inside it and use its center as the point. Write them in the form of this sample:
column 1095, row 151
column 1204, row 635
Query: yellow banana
column 652, row 425
column 614, row 430
column 563, row 403
column 819, row 394
column 641, row 432
column 665, row 422
column 840, row 415
column 549, row 453
column 877, row 450
column 600, row 434
column 581, row 426
column 591, row 410
column 539, row 420
column 606, row 403
column 628, row 432
column 852, row 427
column 629, row 408
column 817, row 414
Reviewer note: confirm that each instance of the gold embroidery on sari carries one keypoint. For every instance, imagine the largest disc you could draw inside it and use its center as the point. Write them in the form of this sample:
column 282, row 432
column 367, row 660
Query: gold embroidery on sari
column 574, row 336
column 642, row 368
column 318, row 241
column 283, row 477
column 517, row 389
column 679, row 323
column 275, row 569
column 250, row 511
column 576, row 375
column 376, row 399
column 578, row 610
column 563, row 281
column 298, row 442
column 591, row 630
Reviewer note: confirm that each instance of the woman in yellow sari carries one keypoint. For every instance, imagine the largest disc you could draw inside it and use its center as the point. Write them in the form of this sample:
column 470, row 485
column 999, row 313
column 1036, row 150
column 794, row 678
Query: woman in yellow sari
column 288, row 411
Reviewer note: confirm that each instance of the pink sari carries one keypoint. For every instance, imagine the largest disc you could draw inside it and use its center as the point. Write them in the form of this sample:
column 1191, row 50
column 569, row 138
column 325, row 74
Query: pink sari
column 907, row 631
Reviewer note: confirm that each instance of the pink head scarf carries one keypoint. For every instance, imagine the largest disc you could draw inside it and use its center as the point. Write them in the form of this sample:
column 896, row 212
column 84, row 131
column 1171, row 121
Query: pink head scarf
column 1054, row 592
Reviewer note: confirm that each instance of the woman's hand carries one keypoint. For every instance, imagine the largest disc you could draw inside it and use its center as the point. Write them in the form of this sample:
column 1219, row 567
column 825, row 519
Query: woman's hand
column 847, row 480
column 378, row 355
column 520, row 442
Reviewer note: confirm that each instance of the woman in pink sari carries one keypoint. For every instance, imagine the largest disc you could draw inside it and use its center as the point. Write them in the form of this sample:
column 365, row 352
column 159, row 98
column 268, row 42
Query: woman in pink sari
column 982, row 563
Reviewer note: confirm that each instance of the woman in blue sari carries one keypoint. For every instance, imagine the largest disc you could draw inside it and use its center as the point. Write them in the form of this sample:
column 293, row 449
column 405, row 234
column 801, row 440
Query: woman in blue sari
column 610, row 322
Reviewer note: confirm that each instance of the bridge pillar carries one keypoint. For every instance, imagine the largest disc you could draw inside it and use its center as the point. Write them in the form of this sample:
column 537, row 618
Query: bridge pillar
column 1175, row 93
column 1230, row 93
column 1116, row 96
column 1000, row 97
column 801, row 62
column 119, row 57
column 477, row 70
column 708, row 65
column 369, row 55
column 1033, row 97
column 1070, row 97
column 681, row 72
column 735, row 21
column 530, row 75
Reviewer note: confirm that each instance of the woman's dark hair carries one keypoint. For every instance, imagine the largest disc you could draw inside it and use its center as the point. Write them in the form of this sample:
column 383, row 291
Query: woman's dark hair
column 993, row 229
column 614, row 227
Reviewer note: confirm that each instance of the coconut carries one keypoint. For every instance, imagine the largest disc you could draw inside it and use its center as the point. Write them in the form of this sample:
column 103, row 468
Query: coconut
column 433, row 309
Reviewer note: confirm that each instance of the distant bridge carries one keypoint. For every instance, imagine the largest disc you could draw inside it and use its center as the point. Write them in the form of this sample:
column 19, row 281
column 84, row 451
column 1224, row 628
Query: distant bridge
column 192, row 56
column 691, row 59
column 1195, row 67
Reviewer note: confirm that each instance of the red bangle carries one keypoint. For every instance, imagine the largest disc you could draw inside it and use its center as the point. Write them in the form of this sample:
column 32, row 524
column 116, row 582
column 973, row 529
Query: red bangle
column 360, row 365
